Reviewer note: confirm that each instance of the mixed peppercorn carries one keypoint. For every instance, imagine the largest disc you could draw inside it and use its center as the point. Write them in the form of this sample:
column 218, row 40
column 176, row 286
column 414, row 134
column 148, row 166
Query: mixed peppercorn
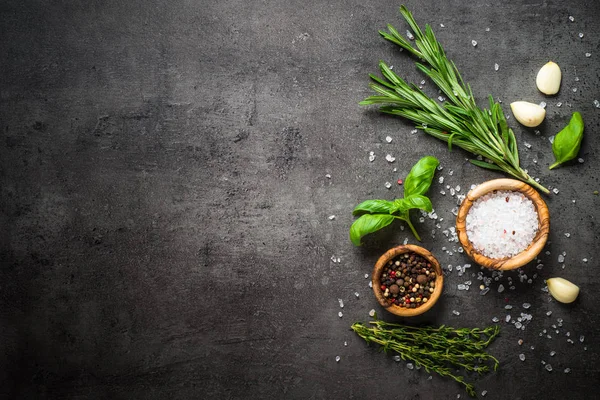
column 408, row 280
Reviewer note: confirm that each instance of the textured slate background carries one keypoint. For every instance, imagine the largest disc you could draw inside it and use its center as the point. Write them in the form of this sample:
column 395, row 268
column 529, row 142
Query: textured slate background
column 164, row 206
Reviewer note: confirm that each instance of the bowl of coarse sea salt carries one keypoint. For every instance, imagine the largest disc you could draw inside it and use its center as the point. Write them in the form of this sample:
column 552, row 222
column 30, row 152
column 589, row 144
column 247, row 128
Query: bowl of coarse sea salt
column 503, row 224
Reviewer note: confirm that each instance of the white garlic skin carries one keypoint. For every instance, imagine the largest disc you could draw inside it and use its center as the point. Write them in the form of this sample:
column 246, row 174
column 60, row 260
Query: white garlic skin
column 528, row 114
column 562, row 290
column 548, row 78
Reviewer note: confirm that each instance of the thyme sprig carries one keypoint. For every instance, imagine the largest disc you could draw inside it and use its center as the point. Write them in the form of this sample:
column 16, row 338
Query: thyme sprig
column 440, row 350
column 458, row 121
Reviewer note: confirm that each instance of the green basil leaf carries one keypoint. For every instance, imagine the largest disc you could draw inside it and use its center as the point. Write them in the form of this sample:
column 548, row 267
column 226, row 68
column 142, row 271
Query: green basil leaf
column 420, row 176
column 373, row 207
column 368, row 223
column 567, row 142
column 415, row 201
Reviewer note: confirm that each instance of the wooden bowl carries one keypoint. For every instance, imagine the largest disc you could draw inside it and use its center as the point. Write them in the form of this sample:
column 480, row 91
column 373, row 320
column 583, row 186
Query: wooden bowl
column 390, row 255
column 536, row 246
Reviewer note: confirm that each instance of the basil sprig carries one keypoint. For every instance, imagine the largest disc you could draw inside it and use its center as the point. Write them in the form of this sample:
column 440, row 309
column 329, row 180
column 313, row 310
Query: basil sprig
column 377, row 214
column 567, row 142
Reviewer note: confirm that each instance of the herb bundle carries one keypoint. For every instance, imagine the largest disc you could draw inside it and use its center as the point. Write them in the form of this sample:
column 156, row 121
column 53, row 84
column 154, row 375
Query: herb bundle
column 377, row 214
column 440, row 350
column 458, row 121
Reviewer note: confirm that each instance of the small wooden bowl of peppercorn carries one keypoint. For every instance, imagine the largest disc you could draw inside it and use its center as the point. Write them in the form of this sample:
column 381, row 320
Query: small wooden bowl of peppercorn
column 407, row 280
column 540, row 227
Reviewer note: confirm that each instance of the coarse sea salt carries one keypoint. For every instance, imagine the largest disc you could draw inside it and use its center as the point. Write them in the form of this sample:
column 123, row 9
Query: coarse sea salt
column 502, row 224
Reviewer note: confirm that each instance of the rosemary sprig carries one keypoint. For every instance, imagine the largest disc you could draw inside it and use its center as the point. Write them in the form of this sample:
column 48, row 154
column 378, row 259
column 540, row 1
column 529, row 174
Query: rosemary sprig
column 435, row 349
column 458, row 121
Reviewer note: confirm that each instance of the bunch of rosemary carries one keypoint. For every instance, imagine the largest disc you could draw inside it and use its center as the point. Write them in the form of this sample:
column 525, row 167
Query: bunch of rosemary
column 458, row 121
column 438, row 350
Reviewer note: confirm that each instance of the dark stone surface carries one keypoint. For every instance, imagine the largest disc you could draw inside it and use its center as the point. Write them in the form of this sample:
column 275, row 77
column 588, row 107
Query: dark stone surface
column 164, row 205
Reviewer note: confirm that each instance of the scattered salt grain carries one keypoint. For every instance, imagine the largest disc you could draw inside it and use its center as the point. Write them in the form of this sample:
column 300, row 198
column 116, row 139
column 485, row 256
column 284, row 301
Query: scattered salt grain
column 341, row 303
column 543, row 104
column 507, row 319
column 390, row 158
column 409, row 35
column 580, row 35
column 328, row 176
column 508, row 307
column 371, row 156
column 561, row 258
column 455, row 312
column 555, row 191
column 331, row 217
column 370, row 284
column 388, row 139
column 346, row 344
column 581, row 338
column 580, row 160
column 522, row 357
column 410, row 366
column 585, row 260
column 526, row 305
column 528, row 145
column 596, row 103
column 340, row 314
column 495, row 319
column 372, row 313
column 571, row 18
column 574, row 90
column 496, row 67
column 414, row 131
column 567, row 370
column 356, row 294
column 552, row 353
column 588, row 55
column 388, row 185
column 397, row 358
column 502, row 224
column 500, row 288
column 567, row 234
column 548, row 367
column 337, row 358
column 483, row 393
column 474, row 43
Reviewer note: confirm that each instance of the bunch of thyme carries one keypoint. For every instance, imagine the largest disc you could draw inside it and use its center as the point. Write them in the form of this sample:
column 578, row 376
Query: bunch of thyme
column 438, row 350
column 458, row 121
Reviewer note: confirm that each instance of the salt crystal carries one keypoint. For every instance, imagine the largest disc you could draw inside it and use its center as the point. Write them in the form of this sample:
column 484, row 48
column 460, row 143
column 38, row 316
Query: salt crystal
column 409, row 35
column 346, row 344
column 500, row 288
column 484, row 291
column 585, row 260
column 507, row 318
column 390, row 158
column 451, row 172
column 571, row 18
column 337, row 358
column 567, row 234
column 410, row 366
column 388, row 139
column 423, row 82
column 372, row 313
column 331, row 217
column 567, row 370
column 518, row 325
column 561, row 258
column 461, row 286
column 527, row 145
column 441, row 98
column 356, row 294
column 580, row 35
column 596, row 103
column 341, row 303
column 570, row 341
column 581, row 338
column 574, row 90
column 496, row 67
column 580, row 160
column 366, row 276
column 414, row 131
column 508, row 307
column 442, row 26
column 340, row 314
column 543, row 104
column 552, row 353
column 474, row 43
column 441, row 179
column 370, row 284
column 457, row 188
column 495, row 319
column 522, row 357
column 588, row 55
column 388, row 185
column 520, row 342
column 526, row 305
column 455, row 312
column 499, row 228
column 397, row 358
column 555, row 190
column 548, row 367
column 483, row 393
column 328, row 176
column 371, row 156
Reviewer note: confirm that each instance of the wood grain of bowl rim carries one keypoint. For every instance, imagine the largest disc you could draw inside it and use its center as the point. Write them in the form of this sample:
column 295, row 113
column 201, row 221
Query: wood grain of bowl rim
column 393, row 253
column 527, row 255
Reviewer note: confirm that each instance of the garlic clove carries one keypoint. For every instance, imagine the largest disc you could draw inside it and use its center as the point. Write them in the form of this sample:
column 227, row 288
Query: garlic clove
column 548, row 78
column 562, row 290
column 528, row 114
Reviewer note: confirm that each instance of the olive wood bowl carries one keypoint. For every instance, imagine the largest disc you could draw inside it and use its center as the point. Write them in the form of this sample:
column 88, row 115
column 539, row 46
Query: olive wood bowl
column 390, row 255
column 524, row 257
